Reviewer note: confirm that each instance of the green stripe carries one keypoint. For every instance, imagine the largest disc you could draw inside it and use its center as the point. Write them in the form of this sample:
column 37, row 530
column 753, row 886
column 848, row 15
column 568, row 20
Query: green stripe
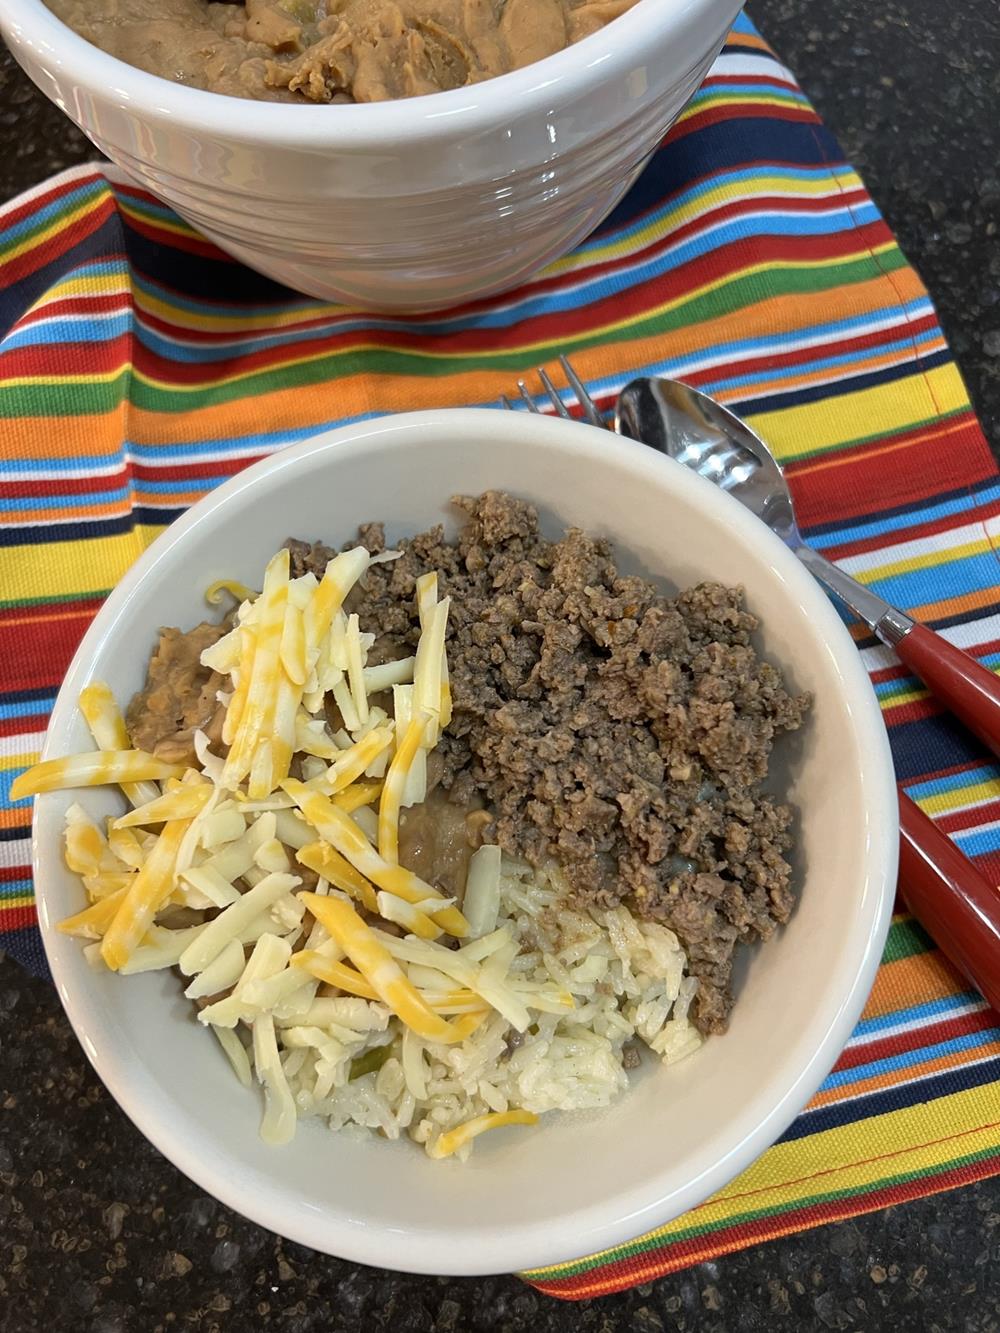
column 54, row 600
column 657, row 1240
column 733, row 295
column 41, row 399
column 906, row 939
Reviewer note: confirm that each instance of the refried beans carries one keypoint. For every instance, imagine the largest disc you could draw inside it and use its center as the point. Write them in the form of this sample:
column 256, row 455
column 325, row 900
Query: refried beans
column 623, row 734
column 333, row 50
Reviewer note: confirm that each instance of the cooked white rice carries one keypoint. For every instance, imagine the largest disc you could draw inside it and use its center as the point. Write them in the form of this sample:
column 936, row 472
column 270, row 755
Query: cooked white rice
column 629, row 983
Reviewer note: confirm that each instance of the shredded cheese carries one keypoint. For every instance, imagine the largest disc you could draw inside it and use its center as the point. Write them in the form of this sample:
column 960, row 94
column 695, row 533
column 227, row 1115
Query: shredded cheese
column 150, row 889
column 454, row 1139
column 96, row 769
column 341, row 832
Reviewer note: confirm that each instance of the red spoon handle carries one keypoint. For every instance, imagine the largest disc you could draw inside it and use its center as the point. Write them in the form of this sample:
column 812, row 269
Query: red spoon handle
column 971, row 691
column 951, row 899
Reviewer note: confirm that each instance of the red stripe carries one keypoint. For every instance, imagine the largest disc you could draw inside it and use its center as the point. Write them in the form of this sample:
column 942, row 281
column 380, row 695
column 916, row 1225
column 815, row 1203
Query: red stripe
column 962, row 820
column 944, row 456
column 14, row 726
column 915, row 1039
column 8, row 874
column 17, row 918
column 96, row 303
column 38, row 655
column 741, row 111
column 14, row 270
column 15, row 213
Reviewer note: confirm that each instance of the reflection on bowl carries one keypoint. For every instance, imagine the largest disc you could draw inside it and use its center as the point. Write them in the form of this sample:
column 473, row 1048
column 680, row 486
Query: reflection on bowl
column 408, row 205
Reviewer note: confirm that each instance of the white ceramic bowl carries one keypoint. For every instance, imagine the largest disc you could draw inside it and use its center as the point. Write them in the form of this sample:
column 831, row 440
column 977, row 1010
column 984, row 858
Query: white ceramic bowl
column 575, row 1183
column 406, row 205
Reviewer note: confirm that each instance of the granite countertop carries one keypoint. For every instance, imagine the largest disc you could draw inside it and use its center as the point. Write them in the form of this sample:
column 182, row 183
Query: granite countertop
column 99, row 1234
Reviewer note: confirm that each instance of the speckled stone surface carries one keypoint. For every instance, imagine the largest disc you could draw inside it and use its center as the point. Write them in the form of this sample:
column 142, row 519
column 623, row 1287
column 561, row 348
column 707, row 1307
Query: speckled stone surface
column 99, row 1234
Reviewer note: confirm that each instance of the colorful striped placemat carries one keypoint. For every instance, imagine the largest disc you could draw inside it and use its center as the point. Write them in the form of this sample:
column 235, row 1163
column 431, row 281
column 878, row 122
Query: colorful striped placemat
column 139, row 368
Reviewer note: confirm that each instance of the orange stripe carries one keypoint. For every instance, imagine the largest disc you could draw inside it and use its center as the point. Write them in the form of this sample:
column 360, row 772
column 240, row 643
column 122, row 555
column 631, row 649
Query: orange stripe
column 878, row 1082
column 299, row 407
column 907, row 982
column 953, row 606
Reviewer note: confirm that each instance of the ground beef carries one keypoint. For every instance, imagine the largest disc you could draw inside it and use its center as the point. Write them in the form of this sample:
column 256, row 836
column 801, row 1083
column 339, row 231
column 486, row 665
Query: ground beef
column 623, row 733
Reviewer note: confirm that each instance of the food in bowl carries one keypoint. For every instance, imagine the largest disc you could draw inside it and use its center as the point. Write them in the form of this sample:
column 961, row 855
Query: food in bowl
column 333, row 50
column 570, row 840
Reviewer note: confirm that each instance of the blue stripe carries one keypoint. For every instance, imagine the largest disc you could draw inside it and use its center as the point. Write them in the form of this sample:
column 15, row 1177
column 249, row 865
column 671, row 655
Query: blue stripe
column 15, row 888
column 916, row 1013
column 920, row 791
column 828, row 536
column 34, row 708
column 892, row 1099
column 934, row 583
column 94, row 328
column 890, row 1064
column 56, row 209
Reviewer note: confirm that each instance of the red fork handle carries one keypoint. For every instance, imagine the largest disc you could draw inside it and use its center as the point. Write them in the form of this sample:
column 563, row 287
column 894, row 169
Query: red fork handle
column 971, row 691
column 954, row 903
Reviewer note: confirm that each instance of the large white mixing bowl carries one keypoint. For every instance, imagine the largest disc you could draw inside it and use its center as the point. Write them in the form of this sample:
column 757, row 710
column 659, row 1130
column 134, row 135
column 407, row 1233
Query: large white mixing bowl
column 406, row 205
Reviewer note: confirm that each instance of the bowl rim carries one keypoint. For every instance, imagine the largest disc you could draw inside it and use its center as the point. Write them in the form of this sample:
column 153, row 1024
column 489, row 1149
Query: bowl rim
column 479, row 108
column 591, row 1228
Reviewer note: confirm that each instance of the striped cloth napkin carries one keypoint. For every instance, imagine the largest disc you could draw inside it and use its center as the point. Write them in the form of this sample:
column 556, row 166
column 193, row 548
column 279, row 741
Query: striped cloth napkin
column 139, row 368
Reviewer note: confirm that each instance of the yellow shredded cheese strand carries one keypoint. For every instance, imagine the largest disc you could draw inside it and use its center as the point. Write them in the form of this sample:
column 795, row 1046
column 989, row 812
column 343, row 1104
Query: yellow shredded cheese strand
column 341, row 832
column 107, row 726
column 151, row 888
column 453, row 1139
column 426, row 594
column 357, row 794
column 382, row 972
column 392, row 791
column 293, row 646
column 126, row 846
column 404, row 914
column 238, row 591
column 95, row 769
column 251, row 745
column 353, row 762
column 181, row 803
column 349, row 979
column 93, row 921
column 338, row 579
column 341, row 975
column 237, row 704
column 328, row 864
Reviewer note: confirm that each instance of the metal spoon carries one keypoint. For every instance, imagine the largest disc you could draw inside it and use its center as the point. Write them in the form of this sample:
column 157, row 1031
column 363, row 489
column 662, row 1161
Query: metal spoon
column 695, row 430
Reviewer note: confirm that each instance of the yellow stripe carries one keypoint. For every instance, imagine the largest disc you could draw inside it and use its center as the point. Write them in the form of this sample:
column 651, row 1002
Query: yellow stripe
column 88, row 566
column 880, row 410
column 64, row 222
column 591, row 252
column 850, row 1157
column 928, row 560
column 19, row 900
column 943, row 802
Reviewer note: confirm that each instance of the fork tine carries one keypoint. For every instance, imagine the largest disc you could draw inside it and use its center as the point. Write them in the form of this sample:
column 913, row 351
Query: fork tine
column 590, row 409
column 506, row 404
column 526, row 397
column 561, row 408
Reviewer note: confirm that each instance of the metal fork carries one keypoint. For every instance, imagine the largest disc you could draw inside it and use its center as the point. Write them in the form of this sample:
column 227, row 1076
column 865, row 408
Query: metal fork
column 591, row 412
